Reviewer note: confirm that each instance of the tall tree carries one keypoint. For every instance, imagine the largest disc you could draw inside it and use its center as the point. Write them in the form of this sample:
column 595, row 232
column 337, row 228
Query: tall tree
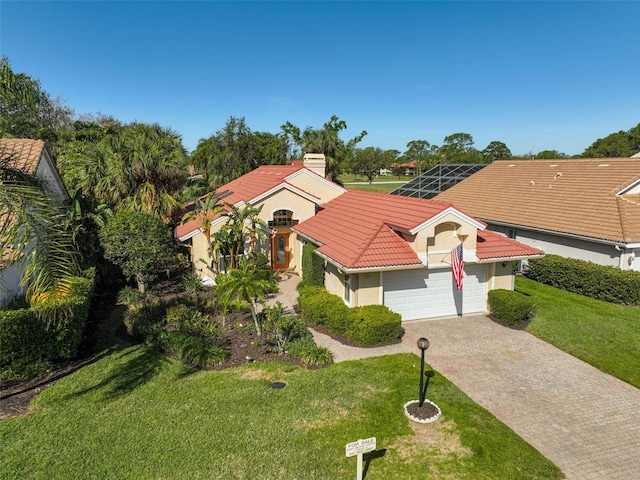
column 619, row 144
column 204, row 211
column 327, row 141
column 496, row 151
column 421, row 151
column 141, row 167
column 458, row 148
column 370, row 160
column 26, row 110
column 236, row 150
column 140, row 244
column 550, row 155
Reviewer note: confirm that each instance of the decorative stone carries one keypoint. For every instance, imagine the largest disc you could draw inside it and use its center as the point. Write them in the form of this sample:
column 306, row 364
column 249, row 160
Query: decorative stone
column 428, row 413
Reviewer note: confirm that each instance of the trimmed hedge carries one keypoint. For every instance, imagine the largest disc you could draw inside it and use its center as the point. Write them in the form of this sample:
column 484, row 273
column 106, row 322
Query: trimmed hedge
column 312, row 266
column 367, row 325
column 601, row 282
column 511, row 308
column 26, row 339
column 375, row 324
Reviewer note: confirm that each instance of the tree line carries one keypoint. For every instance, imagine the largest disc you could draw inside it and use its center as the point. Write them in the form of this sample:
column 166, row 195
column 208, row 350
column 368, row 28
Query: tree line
column 139, row 168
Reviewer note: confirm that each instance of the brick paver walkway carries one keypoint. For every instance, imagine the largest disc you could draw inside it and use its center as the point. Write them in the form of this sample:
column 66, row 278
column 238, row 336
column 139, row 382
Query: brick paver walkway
column 585, row 421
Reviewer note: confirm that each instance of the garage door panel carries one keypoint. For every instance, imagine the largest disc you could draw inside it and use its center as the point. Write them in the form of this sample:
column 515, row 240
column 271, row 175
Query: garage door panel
column 431, row 293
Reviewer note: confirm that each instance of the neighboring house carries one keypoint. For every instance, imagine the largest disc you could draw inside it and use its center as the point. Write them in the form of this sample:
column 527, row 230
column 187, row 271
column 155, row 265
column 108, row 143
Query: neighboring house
column 587, row 209
column 378, row 249
column 409, row 167
column 32, row 157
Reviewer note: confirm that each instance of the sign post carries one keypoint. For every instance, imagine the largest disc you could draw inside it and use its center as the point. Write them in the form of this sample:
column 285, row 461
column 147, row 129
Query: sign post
column 358, row 448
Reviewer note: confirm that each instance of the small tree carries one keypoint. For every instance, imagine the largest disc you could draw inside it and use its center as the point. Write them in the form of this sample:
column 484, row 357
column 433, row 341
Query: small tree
column 247, row 282
column 140, row 244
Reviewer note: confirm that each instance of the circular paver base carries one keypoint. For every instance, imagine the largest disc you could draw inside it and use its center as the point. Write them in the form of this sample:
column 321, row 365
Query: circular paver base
column 434, row 411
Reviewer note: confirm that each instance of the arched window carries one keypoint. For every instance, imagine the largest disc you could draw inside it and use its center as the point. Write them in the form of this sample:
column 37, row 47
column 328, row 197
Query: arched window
column 281, row 218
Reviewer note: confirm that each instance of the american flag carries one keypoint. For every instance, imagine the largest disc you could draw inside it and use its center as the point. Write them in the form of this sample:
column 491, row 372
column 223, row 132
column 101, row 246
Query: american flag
column 457, row 265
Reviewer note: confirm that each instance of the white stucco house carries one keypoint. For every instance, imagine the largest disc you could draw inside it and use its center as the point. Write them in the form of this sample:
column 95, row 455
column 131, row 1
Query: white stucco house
column 588, row 209
column 377, row 249
column 32, row 157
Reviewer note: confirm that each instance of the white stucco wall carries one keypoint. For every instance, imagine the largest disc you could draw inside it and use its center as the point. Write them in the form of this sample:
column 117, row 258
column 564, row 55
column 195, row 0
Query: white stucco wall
column 10, row 283
column 571, row 247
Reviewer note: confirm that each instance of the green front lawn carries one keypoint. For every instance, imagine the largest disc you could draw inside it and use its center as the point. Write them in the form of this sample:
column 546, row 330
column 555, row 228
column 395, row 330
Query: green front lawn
column 136, row 414
column 603, row 334
column 350, row 178
column 375, row 187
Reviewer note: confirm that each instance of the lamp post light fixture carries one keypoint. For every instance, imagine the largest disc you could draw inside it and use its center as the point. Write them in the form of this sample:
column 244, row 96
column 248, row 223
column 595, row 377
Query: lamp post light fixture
column 423, row 344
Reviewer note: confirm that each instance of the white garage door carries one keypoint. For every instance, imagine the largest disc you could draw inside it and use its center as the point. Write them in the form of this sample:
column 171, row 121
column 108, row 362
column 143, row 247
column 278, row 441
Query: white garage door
column 431, row 293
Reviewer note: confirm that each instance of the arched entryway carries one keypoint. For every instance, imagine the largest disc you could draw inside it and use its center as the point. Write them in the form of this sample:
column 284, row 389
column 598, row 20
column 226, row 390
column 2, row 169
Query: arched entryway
column 281, row 222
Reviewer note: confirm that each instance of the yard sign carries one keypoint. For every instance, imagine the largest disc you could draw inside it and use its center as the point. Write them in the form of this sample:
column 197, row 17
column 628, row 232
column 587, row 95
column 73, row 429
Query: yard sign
column 358, row 448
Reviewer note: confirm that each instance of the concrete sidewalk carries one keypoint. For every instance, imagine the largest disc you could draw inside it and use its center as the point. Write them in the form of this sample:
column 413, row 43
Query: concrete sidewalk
column 585, row 421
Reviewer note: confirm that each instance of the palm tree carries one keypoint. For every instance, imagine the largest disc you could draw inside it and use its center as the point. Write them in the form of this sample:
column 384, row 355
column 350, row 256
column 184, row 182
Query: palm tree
column 137, row 168
column 204, row 211
column 32, row 232
column 240, row 223
column 244, row 283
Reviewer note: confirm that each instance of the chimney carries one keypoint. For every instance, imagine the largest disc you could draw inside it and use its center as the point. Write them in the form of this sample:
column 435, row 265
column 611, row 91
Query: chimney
column 315, row 162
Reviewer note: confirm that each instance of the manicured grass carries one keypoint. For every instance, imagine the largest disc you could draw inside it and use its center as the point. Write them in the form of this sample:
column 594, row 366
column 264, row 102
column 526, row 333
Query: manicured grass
column 375, row 187
column 135, row 414
column 350, row 177
column 603, row 334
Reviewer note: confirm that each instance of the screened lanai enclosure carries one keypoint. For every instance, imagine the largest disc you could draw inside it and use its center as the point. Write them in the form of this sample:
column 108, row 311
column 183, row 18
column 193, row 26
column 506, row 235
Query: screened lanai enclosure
column 437, row 180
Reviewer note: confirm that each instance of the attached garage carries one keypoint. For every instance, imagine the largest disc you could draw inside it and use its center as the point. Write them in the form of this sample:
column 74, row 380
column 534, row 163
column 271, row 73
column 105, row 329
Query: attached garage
column 426, row 293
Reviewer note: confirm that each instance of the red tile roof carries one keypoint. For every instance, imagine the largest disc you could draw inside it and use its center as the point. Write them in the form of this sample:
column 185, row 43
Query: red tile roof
column 246, row 188
column 493, row 245
column 23, row 153
column 356, row 229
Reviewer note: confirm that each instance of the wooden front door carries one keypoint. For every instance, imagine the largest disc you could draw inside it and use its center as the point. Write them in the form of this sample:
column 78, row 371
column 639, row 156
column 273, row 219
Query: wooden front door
column 280, row 251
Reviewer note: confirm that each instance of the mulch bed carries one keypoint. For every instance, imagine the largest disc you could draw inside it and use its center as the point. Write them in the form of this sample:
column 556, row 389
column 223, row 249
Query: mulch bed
column 427, row 410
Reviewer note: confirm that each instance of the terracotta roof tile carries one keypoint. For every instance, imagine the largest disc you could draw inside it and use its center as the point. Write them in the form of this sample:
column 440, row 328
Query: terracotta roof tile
column 356, row 231
column 23, row 153
column 246, row 188
column 573, row 196
column 493, row 245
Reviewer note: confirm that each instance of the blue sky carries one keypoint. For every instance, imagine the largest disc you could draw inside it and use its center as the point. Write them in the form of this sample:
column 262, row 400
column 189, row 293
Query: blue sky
column 534, row 75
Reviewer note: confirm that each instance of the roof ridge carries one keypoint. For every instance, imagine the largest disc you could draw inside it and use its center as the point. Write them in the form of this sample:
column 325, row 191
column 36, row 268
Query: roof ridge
column 365, row 245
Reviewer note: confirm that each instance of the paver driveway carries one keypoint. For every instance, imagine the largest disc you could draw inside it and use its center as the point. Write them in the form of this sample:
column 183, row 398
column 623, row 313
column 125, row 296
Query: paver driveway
column 585, row 421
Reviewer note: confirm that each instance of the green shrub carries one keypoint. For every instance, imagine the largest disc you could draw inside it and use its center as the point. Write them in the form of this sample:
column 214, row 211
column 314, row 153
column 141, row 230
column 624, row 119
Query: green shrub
column 375, row 324
column 509, row 307
column 312, row 266
column 327, row 309
column 282, row 329
column 142, row 320
column 128, row 295
column 368, row 325
column 27, row 341
column 192, row 350
column 601, row 282
column 316, row 356
column 187, row 319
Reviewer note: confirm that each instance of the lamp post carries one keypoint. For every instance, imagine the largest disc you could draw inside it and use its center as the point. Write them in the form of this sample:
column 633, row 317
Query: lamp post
column 423, row 344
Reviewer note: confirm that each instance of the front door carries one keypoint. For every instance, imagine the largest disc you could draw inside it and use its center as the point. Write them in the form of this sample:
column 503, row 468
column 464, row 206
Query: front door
column 281, row 251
